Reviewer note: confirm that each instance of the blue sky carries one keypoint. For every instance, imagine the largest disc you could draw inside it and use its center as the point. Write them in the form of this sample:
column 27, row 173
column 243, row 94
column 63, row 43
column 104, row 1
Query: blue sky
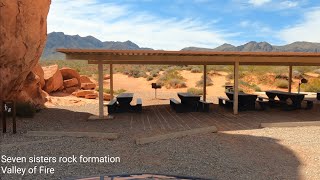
column 174, row 24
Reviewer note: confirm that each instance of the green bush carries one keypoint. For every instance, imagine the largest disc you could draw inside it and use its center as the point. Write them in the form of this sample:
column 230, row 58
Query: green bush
column 171, row 79
column 195, row 91
column 154, row 73
column 312, row 86
column 209, row 82
column 149, row 78
column 136, row 73
column 196, row 70
column 282, row 83
column 25, row 109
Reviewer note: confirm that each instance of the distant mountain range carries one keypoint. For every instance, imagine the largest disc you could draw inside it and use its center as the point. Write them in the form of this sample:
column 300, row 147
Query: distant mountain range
column 60, row 40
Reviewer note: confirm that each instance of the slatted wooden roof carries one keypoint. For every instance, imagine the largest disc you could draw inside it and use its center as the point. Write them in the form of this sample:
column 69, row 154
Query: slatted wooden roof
column 192, row 57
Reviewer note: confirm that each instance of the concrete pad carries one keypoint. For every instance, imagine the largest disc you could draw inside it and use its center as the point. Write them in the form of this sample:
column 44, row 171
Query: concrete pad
column 291, row 124
column 94, row 117
column 73, row 134
column 209, row 129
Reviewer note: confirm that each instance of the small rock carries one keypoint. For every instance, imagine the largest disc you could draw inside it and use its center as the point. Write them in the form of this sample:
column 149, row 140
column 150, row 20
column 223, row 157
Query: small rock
column 106, row 97
column 68, row 73
column 83, row 93
column 91, row 96
column 106, row 77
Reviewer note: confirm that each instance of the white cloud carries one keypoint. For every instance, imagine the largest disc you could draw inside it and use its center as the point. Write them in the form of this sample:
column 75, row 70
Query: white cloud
column 288, row 4
column 109, row 21
column 306, row 30
column 258, row 2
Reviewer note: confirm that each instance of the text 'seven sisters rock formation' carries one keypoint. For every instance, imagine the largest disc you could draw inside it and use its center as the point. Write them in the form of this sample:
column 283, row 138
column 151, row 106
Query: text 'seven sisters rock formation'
column 23, row 32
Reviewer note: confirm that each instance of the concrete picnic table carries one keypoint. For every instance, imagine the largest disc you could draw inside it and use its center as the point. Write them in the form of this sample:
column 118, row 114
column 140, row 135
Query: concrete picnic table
column 246, row 101
column 124, row 100
column 296, row 98
column 189, row 101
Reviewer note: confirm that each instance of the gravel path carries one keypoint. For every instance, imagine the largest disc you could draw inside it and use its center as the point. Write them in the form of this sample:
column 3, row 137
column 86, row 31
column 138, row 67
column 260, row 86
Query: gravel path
column 271, row 153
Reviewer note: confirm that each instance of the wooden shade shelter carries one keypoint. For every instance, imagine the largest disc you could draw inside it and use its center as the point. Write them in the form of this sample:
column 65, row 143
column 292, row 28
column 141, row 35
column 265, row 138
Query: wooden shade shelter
column 100, row 57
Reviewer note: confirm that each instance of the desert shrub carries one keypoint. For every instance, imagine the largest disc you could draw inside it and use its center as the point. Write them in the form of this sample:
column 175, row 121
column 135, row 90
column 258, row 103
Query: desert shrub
column 25, row 109
column 136, row 73
column 154, row 73
column 282, row 76
column 312, row 86
column 297, row 75
column 171, row 79
column 107, row 90
column 317, row 71
column 209, row 82
column 250, row 86
column 195, row 91
column 176, row 83
column 281, row 83
column 195, row 70
column 149, row 78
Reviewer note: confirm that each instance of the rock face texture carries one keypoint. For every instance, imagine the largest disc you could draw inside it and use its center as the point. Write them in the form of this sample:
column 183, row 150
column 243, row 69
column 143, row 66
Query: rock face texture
column 23, row 32
column 53, row 78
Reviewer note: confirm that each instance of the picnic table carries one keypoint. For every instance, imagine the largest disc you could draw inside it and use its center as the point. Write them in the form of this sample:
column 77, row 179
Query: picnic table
column 122, row 103
column 189, row 101
column 296, row 98
column 245, row 101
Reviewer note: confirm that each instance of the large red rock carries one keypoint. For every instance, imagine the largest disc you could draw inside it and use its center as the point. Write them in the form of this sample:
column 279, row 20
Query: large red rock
column 68, row 73
column 85, row 79
column 32, row 92
column 53, row 78
column 23, row 33
column 40, row 73
column 70, row 82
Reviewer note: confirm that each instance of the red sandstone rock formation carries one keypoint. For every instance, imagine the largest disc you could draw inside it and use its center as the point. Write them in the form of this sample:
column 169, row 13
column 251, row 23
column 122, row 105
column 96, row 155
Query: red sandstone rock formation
column 53, row 78
column 23, row 32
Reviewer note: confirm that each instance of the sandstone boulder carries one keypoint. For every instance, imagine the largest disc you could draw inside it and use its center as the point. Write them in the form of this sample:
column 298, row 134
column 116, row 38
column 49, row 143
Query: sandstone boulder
column 106, row 97
column 106, row 77
column 68, row 73
column 85, row 79
column 53, row 78
column 23, row 32
column 70, row 82
column 91, row 96
column 31, row 91
column 88, row 86
column 83, row 93
column 40, row 73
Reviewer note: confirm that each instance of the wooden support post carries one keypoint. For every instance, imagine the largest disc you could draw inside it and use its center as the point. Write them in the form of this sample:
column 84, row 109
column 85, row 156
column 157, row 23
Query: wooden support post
column 14, row 122
column 4, row 114
column 236, row 88
column 290, row 79
column 100, row 69
column 204, row 82
column 111, row 81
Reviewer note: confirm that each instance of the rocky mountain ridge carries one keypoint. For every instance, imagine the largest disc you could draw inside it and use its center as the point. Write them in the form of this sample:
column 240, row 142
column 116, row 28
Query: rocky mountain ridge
column 60, row 40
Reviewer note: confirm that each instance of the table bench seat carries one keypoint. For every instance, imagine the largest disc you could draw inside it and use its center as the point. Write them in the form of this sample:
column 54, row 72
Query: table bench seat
column 138, row 107
column 203, row 106
column 112, row 106
column 176, row 105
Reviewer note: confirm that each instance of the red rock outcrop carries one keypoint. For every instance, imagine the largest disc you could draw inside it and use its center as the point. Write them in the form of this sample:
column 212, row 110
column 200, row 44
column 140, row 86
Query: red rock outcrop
column 85, row 79
column 70, row 82
column 68, row 73
column 23, row 32
column 40, row 73
column 53, row 78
